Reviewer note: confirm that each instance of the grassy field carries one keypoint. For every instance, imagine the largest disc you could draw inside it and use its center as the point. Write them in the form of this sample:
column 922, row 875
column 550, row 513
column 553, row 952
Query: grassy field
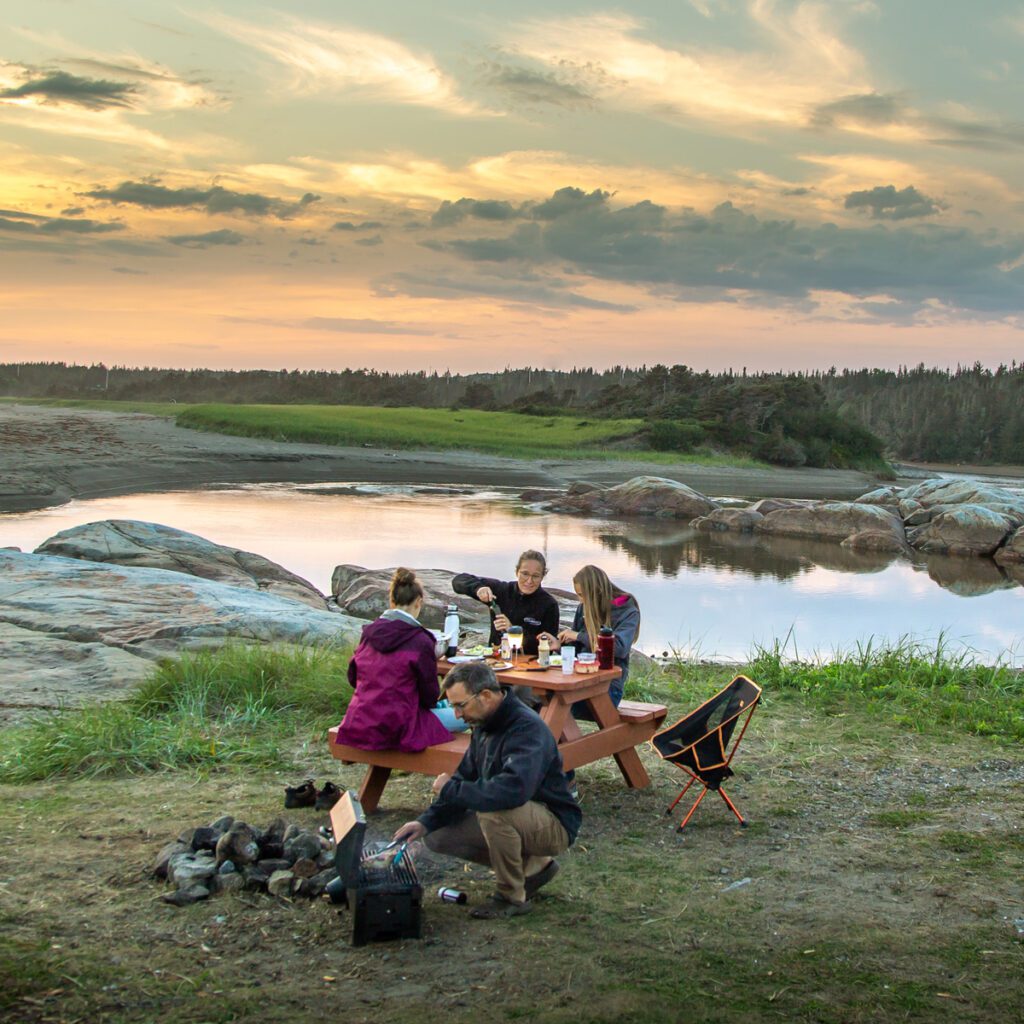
column 493, row 433
column 878, row 880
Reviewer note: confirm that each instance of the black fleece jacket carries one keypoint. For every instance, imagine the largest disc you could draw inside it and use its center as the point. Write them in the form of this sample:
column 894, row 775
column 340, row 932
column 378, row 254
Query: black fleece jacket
column 512, row 759
column 536, row 612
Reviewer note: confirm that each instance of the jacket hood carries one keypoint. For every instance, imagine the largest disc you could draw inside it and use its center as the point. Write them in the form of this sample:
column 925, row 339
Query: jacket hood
column 386, row 635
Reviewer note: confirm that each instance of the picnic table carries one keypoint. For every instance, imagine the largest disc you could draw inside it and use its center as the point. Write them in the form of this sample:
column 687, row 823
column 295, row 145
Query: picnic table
column 619, row 731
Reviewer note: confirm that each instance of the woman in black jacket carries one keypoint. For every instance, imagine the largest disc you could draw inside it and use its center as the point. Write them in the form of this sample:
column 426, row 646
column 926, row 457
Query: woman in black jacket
column 521, row 602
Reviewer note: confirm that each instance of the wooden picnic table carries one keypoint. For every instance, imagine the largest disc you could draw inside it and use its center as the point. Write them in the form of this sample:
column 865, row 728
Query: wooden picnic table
column 619, row 731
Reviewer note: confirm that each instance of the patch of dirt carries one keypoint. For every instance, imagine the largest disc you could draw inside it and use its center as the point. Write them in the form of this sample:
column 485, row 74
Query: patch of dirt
column 878, row 880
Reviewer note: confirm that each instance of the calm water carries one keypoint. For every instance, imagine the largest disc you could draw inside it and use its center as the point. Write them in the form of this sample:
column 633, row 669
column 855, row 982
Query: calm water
column 712, row 595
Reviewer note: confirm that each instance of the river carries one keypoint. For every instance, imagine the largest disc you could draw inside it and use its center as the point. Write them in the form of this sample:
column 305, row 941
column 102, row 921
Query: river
column 713, row 596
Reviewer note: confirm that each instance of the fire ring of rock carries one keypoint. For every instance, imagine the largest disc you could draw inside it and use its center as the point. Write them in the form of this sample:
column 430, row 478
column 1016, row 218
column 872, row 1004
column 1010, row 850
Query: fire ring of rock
column 228, row 856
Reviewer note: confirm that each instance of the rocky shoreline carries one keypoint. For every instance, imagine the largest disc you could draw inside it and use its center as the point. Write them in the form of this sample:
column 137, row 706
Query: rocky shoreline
column 86, row 615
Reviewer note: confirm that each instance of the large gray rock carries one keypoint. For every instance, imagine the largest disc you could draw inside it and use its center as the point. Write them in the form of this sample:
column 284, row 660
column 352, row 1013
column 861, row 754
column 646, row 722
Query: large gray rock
column 738, row 520
column 72, row 632
column 1013, row 550
column 641, row 496
column 364, row 593
column 886, row 496
column 965, row 492
column 964, row 530
column 150, row 545
column 832, row 520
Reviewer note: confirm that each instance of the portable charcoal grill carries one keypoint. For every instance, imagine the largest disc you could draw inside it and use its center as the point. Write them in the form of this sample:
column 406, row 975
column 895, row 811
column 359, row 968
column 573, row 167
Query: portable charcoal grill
column 385, row 899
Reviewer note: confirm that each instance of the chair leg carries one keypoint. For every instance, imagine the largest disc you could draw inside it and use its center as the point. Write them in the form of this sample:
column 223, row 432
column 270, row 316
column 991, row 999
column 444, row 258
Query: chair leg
column 696, row 804
column 682, row 793
column 732, row 807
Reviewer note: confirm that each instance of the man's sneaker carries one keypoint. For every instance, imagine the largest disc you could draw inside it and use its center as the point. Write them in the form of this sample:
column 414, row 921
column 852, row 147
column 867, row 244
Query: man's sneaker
column 497, row 906
column 540, row 879
column 300, row 796
column 327, row 797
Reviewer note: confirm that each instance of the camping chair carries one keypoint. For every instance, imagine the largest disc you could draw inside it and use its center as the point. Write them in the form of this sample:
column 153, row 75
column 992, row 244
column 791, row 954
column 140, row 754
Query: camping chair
column 699, row 743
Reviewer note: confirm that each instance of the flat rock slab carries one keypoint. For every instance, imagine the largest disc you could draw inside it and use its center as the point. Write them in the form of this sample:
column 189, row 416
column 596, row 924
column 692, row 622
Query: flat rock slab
column 72, row 632
column 154, row 546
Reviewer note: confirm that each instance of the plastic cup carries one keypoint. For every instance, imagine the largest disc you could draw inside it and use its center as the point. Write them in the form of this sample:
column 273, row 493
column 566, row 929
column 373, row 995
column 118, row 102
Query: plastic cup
column 568, row 660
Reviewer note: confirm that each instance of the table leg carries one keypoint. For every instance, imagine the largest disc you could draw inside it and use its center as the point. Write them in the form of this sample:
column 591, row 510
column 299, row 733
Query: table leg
column 372, row 789
column 632, row 768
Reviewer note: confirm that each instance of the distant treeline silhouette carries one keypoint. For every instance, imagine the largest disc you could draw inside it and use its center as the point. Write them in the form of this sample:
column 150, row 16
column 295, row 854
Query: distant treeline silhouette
column 833, row 418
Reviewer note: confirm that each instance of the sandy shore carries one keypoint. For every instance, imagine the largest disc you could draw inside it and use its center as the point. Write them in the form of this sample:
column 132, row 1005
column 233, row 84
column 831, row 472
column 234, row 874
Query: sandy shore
column 49, row 456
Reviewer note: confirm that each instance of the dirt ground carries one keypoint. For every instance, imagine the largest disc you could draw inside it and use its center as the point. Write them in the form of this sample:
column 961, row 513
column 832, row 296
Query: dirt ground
column 50, row 455
column 879, row 880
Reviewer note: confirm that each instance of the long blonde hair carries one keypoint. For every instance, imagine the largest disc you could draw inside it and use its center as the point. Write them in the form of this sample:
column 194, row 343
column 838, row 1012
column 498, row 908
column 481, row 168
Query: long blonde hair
column 597, row 593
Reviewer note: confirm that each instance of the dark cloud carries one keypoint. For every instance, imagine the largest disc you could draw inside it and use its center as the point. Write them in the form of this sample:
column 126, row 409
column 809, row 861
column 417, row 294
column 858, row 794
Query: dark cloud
column 729, row 255
column 526, row 86
column 62, row 87
column 482, row 209
column 31, row 223
column 206, row 239
column 372, row 240
column 73, row 211
column 347, row 225
column 309, row 240
column 884, row 202
column 212, row 200
column 570, row 200
column 129, row 270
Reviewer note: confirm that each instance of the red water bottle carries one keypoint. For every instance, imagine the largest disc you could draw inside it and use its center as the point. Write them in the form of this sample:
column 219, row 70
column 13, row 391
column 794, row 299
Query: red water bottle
column 605, row 648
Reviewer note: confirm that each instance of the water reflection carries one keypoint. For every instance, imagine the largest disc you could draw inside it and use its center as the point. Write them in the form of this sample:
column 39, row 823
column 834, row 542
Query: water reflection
column 713, row 594
column 665, row 549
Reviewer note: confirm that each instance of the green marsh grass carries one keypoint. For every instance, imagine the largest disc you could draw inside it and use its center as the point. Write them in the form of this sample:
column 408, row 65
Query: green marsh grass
column 912, row 685
column 495, row 433
column 237, row 705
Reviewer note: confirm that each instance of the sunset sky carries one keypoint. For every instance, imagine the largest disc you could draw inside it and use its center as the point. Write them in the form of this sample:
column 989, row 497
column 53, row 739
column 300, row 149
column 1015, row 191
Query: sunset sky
column 759, row 183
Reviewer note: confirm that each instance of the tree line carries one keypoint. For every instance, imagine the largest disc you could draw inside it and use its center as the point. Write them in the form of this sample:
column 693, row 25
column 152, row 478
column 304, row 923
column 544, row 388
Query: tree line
column 833, row 418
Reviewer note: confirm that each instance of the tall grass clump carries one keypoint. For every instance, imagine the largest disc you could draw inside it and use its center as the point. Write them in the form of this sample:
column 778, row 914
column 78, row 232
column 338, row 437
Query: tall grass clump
column 236, row 705
column 914, row 685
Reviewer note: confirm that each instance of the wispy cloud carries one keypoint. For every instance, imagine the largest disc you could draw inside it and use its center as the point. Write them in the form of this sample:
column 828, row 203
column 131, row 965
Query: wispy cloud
column 802, row 60
column 321, row 58
column 205, row 239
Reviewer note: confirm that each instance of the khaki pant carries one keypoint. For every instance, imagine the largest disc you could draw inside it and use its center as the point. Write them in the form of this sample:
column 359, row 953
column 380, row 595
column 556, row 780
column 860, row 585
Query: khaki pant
column 513, row 843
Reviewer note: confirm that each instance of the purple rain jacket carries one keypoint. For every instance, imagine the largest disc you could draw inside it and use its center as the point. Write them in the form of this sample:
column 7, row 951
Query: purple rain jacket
column 394, row 675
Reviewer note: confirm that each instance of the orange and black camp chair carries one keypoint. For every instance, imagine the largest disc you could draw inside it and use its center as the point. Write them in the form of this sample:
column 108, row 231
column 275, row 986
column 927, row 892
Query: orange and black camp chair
column 699, row 744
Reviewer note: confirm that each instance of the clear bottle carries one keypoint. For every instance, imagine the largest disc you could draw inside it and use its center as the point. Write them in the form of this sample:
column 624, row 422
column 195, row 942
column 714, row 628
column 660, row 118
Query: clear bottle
column 506, row 647
column 451, row 629
column 544, row 651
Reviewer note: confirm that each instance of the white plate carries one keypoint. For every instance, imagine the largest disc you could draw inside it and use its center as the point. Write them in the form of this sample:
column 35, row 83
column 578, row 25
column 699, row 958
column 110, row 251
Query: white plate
column 461, row 659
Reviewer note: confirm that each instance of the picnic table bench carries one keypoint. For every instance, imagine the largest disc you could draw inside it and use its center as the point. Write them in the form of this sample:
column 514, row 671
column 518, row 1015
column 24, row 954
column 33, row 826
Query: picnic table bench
column 619, row 732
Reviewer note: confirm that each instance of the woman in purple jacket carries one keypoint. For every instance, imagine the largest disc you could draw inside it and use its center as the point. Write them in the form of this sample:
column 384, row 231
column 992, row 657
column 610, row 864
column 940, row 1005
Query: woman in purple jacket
column 394, row 675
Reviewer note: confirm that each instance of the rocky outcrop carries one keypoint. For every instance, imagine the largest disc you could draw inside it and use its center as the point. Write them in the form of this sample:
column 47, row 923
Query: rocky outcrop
column 74, row 631
column 149, row 545
column 364, row 593
column 641, row 496
column 1012, row 551
column 739, row 520
column 965, row 530
column 832, row 520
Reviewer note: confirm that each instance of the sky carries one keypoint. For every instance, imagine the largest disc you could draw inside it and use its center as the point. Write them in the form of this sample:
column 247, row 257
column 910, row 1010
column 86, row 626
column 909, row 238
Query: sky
column 770, row 184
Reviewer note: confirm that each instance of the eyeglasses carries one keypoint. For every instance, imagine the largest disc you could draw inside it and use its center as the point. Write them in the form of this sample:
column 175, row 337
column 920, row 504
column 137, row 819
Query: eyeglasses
column 531, row 577
column 458, row 705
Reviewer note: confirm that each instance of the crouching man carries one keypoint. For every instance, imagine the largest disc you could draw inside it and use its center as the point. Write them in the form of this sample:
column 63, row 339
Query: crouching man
column 508, row 804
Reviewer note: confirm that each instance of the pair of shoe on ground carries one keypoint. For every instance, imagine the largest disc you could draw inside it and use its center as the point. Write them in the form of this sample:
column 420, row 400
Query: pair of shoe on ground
column 307, row 795
column 498, row 906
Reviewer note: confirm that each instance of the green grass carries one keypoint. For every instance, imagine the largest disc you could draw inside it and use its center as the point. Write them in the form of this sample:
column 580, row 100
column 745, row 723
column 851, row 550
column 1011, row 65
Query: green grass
column 236, row 705
column 912, row 686
column 495, row 433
